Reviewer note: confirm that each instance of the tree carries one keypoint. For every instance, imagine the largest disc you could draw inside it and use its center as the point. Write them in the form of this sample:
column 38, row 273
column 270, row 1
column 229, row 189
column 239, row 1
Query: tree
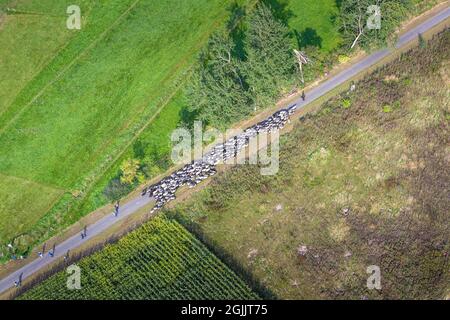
column 270, row 63
column 129, row 169
column 371, row 24
column 302, row 59
column 218, row 92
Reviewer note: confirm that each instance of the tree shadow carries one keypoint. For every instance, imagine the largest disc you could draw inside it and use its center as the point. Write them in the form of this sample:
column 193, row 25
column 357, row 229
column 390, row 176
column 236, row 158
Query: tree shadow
column 308, row 37
column 139, row 148
column 334, row 18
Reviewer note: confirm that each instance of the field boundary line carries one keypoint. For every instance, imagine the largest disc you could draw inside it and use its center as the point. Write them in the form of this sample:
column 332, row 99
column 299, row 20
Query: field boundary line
column 170, row 95
column 68, row 66
column 2, row 174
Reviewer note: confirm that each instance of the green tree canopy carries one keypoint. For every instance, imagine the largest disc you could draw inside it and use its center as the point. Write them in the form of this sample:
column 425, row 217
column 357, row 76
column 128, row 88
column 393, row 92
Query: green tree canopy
column 358, row 20
column 270, row 63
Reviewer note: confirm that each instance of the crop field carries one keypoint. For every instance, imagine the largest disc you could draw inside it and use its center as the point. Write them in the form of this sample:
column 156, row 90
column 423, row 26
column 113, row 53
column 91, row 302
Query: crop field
column 160, row 260
column 362, row 182
column 67, row 115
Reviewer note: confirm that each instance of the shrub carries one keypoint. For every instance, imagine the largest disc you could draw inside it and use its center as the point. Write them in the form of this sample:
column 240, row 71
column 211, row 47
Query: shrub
column 129, row 170
column 116, row 189
column 346, row 103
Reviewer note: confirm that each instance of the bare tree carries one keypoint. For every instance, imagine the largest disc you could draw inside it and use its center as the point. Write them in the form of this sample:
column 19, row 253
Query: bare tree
column 302, row 59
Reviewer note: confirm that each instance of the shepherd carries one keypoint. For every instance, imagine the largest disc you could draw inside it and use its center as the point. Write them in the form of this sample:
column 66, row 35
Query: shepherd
column 116, row 209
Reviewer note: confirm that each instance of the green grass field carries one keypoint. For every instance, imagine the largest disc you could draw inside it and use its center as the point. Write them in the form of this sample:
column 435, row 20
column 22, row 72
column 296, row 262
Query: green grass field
column 154, row 150
column 15, row 206
column 23, row 200
column 160, row 260
column 363, row 182
column 20, row 63
column 95, row 107
column 76, row 108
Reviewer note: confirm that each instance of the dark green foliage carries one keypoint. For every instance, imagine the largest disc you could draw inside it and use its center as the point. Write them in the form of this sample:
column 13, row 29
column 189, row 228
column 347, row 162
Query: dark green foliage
column 251, row 65
column 242, row 69
column 218, row 92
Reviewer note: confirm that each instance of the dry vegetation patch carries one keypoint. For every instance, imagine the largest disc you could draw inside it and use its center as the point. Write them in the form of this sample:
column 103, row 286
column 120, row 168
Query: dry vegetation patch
column 365, row 181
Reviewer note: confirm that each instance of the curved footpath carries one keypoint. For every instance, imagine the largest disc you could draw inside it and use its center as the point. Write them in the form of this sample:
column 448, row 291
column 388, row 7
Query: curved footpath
column 137, row 203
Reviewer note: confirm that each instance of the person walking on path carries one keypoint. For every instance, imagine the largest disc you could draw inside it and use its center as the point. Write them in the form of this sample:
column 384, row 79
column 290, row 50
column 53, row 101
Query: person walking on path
column 116, row 209
column 303, row 95
column 52, row 253
column 18, row 283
